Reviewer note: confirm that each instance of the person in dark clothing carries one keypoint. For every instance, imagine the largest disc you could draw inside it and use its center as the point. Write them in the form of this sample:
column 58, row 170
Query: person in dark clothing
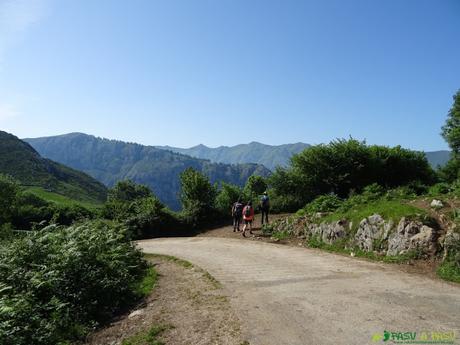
column 237, row 213
column 264, row 207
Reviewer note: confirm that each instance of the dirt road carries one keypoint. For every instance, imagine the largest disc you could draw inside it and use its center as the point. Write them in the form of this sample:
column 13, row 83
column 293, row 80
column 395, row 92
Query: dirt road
column 297, row 296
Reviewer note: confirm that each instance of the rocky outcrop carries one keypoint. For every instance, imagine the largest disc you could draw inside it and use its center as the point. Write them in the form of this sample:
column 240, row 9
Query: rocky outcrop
column 411, row 235
column 372, row 230
column 328, row 232
column 374, row 234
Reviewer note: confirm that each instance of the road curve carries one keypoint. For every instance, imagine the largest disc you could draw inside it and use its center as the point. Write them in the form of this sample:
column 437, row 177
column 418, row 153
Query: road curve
column 296, row 296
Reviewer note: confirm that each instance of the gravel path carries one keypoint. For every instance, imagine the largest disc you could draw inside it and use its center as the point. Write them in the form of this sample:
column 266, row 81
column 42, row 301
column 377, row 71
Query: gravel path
column 296, row 296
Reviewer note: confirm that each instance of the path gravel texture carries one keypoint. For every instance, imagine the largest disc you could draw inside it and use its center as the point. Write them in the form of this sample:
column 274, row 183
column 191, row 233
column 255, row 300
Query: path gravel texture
column 298, row 296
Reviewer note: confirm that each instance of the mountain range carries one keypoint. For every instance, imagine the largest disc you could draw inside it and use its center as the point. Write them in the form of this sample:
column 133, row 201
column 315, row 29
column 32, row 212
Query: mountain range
column 270, row 156
column 254, row 152
column 19, row 160
column 110, row 161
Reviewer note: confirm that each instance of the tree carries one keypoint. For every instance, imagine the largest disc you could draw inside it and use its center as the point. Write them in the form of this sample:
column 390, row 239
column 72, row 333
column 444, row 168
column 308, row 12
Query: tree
column 128, row 191
column 451, row 130
column 198, row 196
column 9, row 190
column 255, row 186
column 228, row 194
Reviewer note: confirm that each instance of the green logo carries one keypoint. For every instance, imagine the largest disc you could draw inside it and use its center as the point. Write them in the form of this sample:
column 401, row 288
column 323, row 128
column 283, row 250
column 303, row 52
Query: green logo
column 427, row 337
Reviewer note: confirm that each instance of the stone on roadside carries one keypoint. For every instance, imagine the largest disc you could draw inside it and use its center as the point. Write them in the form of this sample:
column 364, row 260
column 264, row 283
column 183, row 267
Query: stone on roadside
column 436, row 204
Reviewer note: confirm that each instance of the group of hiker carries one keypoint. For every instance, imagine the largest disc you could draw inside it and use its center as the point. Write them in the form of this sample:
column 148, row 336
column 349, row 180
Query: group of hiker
column 245, row 213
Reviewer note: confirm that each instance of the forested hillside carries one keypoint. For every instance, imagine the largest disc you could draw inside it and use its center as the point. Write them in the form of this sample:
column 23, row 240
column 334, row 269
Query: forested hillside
column 19, row 160
column 110, row 161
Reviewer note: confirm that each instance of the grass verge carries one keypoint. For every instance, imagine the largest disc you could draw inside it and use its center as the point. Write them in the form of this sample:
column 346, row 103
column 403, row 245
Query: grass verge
column 149, row 337
column 146, row 285
column 339, row 247
column 450, row 271
column 188, row 265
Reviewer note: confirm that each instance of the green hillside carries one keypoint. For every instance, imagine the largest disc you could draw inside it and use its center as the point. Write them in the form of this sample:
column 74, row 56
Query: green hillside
column 21, row 161
column 267, row 155
column 110, row 161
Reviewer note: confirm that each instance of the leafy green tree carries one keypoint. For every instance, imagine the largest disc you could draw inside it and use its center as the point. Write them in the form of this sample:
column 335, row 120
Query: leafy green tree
column 255, row 186
column 121, row 198
column 198, row 196
column 228, row 194
column 9, row 190
column 451, row 130
column 346, row 166
column 127, row 190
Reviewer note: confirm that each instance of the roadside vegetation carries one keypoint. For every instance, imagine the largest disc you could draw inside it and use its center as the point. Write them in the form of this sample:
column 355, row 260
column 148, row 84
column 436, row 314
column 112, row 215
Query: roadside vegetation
column 67, row 266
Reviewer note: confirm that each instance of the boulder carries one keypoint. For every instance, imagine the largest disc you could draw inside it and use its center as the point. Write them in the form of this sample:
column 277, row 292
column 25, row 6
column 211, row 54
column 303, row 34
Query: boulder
column 328, row 232
column 436, row 204
column 371, row 229
column 411, row 235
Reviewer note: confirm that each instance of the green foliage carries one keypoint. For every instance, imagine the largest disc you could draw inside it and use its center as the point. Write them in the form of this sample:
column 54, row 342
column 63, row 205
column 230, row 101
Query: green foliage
column 255, row 186
column 20, row 160
column 127, row 190
column 228, row 194
column 142, row 213
column 451, row 130
column 323, row 203
column 198, row 197
column 354, row 211
column 145, row 287
column 149, row 337
column 9, row 190
column 450, row 267
column 440, row 189
column 449, row 270
column 344, row 167
column 58, row 283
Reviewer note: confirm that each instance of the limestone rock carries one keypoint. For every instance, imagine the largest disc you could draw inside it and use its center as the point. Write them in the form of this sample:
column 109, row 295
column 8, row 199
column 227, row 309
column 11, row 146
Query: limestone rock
column 411, row 235
column 371, row 229
column 436, row 204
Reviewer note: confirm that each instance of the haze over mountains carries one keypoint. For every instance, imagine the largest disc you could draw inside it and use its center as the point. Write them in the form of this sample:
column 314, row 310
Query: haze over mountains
column 110, row 161
column 268, row 155
column 19, row 160
column 254, row 152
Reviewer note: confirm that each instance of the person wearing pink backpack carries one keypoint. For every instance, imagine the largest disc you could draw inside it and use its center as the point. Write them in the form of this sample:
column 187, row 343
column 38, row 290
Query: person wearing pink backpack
column 248, row 217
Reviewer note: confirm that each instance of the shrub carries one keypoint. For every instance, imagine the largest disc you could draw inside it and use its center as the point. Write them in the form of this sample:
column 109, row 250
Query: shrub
column 323, row 203
column 344, row 167
column 198, row 197
column 9, row 190
column 228, row 195
column 440, row 188
column 59, row 282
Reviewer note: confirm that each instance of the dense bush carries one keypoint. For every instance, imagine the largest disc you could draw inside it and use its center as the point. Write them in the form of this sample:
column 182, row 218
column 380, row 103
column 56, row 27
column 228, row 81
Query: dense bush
column 59, row 282
column 198, row 197
column 9, row 190
column 323, row 203
column 228, row 194
column 346, row 166
column 141, row 212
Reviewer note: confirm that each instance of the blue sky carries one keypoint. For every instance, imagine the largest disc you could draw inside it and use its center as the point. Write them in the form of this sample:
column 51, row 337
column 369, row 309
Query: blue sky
column 224, row 72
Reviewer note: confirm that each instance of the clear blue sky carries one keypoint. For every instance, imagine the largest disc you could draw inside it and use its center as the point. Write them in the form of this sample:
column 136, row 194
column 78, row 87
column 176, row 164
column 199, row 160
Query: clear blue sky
column 223, row 72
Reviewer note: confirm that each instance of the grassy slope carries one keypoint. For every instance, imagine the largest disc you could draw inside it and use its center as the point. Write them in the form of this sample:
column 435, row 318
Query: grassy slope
column 388, row 209
column 21, row 161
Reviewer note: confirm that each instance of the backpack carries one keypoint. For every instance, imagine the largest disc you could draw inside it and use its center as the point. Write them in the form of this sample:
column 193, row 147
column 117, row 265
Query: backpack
column 265, row 202
column 238, row 209
column 247, row 211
